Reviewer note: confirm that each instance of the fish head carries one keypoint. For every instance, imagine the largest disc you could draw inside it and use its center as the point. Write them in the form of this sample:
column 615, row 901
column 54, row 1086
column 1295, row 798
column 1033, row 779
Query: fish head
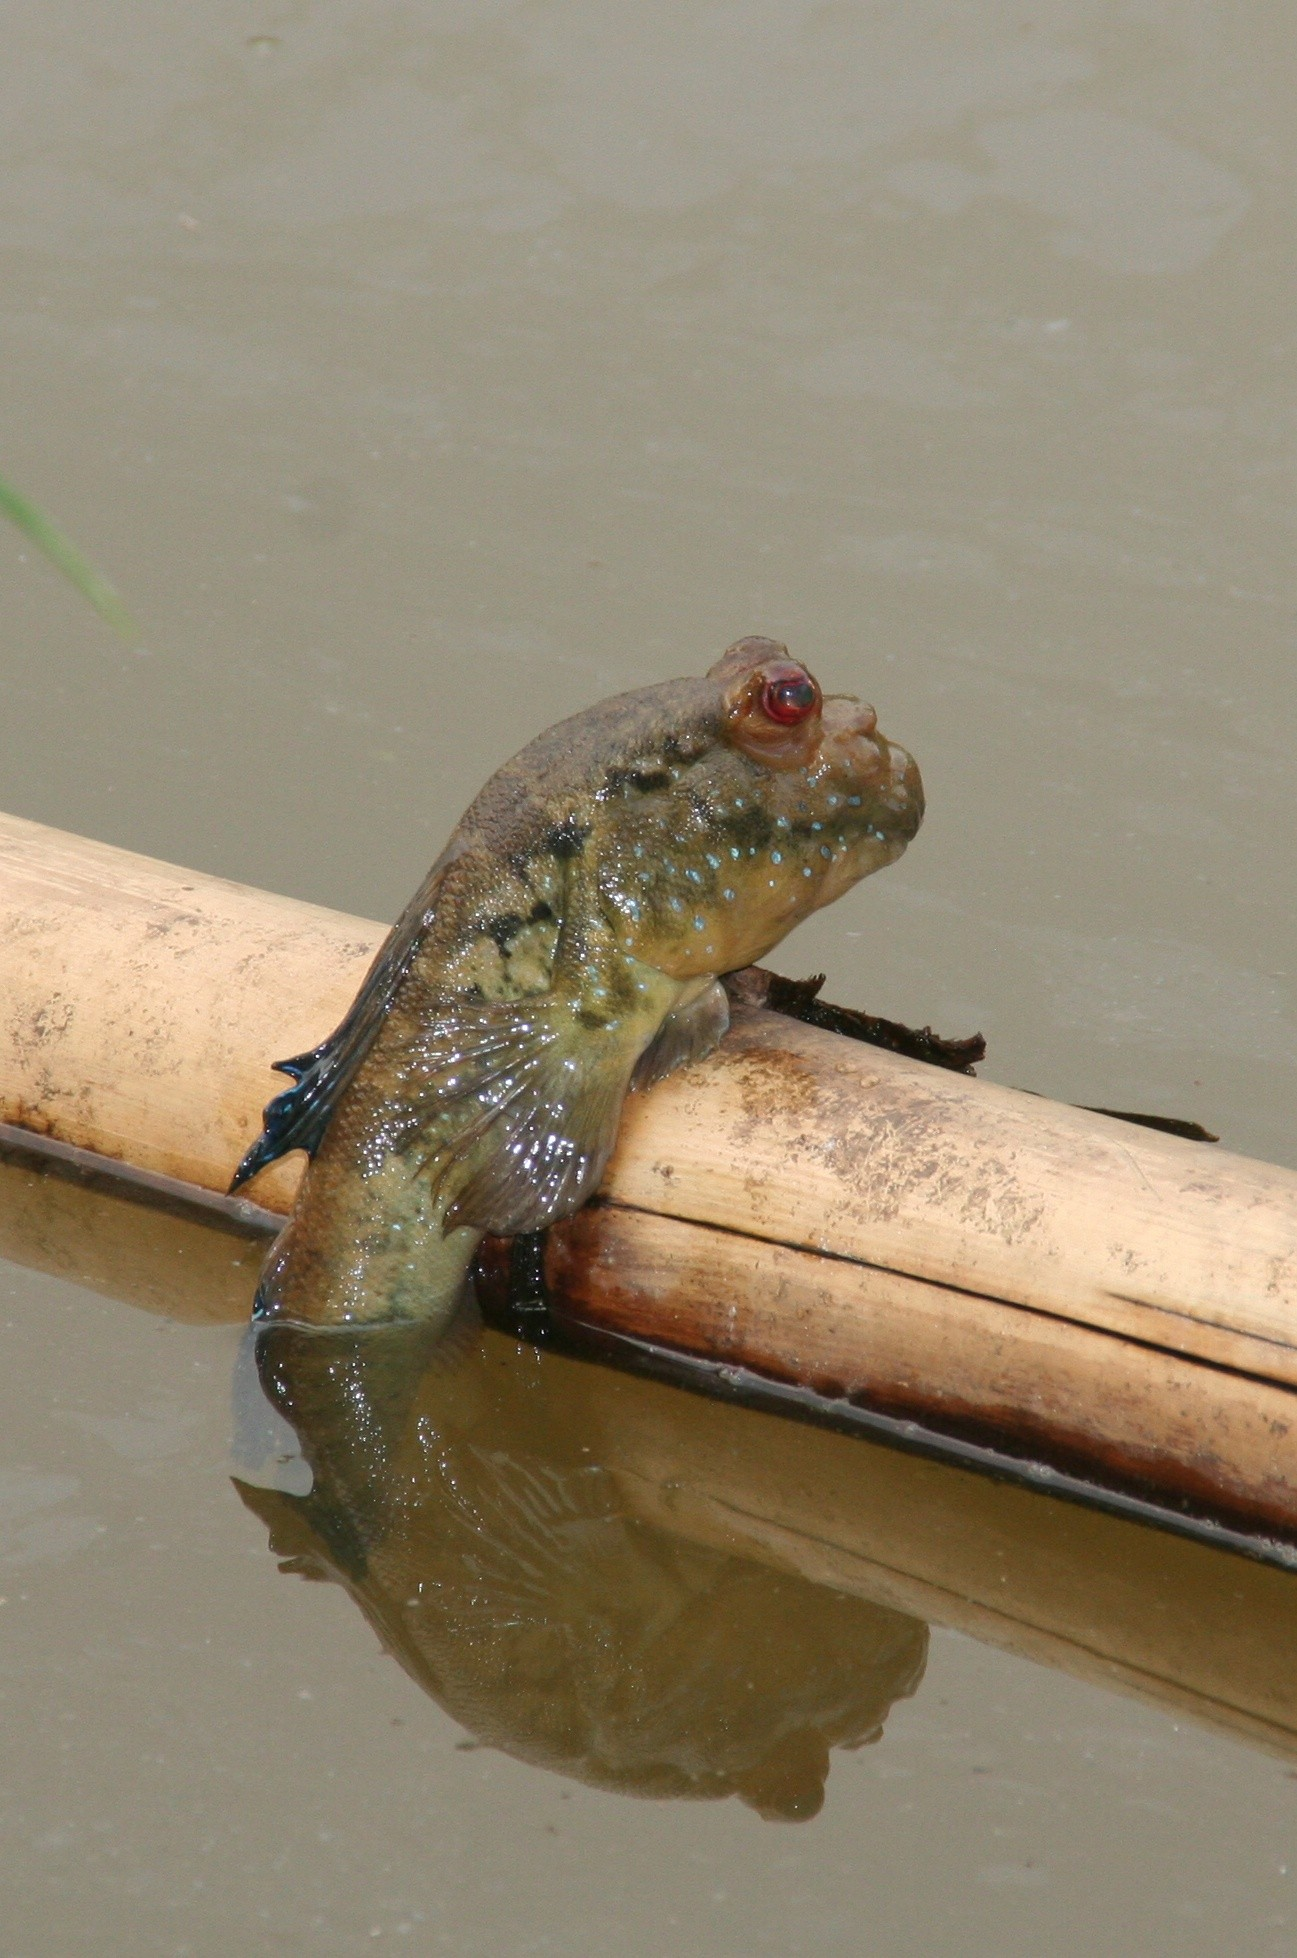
column 842, row 799
column 785, row 800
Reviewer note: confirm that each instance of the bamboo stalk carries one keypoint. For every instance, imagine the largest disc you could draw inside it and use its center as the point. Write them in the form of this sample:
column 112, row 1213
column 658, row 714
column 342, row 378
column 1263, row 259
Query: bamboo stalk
column 143, row 1003
column 821, row 1210
column 1069, row 1393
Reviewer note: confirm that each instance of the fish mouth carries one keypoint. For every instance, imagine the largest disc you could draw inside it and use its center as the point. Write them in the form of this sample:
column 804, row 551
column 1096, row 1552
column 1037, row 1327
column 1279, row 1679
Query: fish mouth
column 886, row 772
column 853, row 716
column 901, row 790
column 882, row 771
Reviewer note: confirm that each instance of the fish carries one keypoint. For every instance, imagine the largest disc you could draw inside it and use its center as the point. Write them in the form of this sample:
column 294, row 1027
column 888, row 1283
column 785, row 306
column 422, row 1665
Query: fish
column 565, row 950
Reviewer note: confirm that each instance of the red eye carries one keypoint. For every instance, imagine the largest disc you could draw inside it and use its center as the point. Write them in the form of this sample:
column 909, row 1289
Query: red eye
column 789, row 696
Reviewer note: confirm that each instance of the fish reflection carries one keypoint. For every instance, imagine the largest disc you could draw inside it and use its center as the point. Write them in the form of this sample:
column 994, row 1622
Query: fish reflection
column 456, row 1492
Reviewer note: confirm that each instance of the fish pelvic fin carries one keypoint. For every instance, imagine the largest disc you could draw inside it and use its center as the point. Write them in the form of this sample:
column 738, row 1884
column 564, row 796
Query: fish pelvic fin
column 688, row 1033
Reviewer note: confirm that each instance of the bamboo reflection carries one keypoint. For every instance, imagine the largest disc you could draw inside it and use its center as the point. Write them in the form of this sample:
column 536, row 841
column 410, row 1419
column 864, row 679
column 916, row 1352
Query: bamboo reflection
column 673, row 1539
column 462, row 1501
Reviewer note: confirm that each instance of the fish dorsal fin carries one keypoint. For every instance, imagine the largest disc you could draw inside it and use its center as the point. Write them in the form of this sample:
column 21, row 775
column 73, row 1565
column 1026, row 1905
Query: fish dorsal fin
column 298, row 1118
column 687, row 1034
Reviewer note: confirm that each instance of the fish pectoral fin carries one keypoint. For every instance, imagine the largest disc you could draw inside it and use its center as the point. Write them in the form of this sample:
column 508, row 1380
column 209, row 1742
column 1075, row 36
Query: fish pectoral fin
column 687, row 1034
column 518, row 1105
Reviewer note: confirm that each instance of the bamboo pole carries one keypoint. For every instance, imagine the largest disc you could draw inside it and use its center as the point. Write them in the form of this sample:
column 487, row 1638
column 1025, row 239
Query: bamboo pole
column 143, row 1003
column 1174, row 1624
column 813, row 1208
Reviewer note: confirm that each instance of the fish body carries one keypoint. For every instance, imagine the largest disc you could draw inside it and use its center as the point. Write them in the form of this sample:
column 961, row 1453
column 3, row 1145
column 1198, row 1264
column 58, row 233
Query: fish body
column 566, row 948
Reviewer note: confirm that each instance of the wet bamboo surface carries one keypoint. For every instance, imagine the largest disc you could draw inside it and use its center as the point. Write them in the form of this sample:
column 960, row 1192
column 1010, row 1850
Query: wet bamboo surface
column 821, row 1211
column 1172, row 1622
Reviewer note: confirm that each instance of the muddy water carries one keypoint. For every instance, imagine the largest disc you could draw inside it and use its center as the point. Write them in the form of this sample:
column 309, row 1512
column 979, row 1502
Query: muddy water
column 422, row 372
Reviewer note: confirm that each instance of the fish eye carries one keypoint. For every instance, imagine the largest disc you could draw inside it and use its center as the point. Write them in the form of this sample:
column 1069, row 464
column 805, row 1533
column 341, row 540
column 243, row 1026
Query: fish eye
column 789, row 696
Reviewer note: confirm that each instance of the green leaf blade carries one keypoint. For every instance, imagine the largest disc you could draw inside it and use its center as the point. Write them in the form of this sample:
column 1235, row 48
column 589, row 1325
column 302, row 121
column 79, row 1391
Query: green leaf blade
column 55, row 545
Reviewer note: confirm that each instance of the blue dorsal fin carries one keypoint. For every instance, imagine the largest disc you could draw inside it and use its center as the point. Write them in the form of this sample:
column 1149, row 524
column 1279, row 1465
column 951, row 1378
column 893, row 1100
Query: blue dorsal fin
column 298, row 1118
